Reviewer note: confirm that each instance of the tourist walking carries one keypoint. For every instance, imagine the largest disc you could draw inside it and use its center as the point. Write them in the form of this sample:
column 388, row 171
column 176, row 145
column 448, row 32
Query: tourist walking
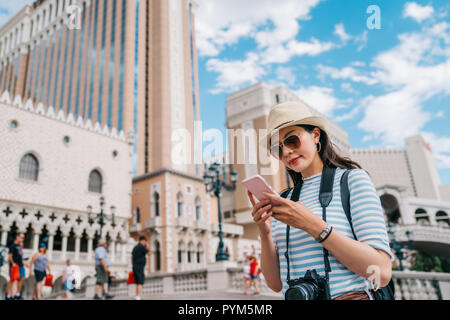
column 138, row 260
column 68, row 279
column 247, row 280
column 41, row 265
column 16, row 268
column 102, row 270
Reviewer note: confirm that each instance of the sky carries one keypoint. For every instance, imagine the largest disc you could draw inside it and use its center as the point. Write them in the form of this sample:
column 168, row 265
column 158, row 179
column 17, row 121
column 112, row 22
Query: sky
column 381, row 73
column 381, row 82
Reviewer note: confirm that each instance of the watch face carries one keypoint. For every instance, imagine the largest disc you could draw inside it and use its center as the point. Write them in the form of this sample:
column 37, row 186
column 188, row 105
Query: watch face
column 323, row 234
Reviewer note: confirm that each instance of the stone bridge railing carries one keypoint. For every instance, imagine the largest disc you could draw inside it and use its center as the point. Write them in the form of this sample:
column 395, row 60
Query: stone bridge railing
column 220, row 277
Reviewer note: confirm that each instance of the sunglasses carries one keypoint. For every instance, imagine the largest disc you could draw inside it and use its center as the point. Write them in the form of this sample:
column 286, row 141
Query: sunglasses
column 292, row 142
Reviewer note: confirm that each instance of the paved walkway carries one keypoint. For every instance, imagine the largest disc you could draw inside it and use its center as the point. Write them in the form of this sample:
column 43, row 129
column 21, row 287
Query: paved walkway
column 203, row 296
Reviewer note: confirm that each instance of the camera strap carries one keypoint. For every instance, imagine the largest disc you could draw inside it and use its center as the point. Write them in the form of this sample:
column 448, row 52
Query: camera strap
column 325, row 197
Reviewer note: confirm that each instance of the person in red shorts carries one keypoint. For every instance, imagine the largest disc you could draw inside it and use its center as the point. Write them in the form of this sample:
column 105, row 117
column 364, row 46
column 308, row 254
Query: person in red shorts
column 254, row 274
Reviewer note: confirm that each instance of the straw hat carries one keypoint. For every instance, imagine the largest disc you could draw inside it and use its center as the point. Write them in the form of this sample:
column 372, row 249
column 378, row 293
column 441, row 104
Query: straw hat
column 290, row 114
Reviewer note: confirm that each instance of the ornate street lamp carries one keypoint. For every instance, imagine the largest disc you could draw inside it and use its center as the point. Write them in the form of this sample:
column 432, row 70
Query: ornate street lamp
column 214, row 184
column 101, row 218
column 400, row 246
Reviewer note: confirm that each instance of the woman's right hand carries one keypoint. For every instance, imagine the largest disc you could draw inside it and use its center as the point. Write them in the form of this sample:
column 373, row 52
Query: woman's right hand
column 262, row 215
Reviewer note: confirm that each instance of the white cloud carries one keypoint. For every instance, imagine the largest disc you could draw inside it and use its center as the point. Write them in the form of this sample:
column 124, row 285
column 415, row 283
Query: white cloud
column 361, row 40
column 347, row 73
column 320, row 98
column 339, row 30
column 222, row 23
column 417, row 12
column 236, row 73
column 286, row 75
column 413, row 72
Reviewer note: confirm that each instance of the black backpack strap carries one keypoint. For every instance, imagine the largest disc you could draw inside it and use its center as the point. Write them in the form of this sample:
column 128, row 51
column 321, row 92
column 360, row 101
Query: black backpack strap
column 325, row 197
column 295, row 196
column 345, row 198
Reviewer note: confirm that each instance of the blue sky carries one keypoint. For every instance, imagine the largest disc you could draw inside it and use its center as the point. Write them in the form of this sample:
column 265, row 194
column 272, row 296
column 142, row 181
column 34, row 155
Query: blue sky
column 380, row 85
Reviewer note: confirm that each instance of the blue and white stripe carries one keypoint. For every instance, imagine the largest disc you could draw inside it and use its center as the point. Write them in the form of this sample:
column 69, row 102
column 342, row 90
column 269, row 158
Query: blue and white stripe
column 305, row 253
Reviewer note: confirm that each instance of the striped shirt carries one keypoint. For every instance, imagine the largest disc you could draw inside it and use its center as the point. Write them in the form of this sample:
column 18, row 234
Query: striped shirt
column 305, row 253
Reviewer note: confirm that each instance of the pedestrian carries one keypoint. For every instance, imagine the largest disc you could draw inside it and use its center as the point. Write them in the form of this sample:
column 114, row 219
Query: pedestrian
column 247, row 280
column 138, row 260
column 321, row 234
column 254, row 274
column 17, row 267
column 102, row 271
column 41, row 265
column 68, row 279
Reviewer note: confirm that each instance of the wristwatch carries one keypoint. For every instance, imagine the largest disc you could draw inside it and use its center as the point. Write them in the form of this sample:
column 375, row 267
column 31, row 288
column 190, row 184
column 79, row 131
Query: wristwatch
column 324, row 234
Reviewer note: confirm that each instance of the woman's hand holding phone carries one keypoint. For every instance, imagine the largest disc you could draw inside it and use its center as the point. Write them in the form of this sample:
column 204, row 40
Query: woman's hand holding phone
column 262, row 214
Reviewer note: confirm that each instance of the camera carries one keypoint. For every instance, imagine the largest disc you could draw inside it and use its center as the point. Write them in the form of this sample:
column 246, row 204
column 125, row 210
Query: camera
column 311, row 287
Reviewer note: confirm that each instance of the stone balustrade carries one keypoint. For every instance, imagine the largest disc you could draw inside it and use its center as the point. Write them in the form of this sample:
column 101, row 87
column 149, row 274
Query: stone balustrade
column 409, row 285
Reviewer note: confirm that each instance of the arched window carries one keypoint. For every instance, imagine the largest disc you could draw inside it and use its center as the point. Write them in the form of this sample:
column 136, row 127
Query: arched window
column 391, row 208
column 198, row 208
column 422, row 217
column 157, row 256
column 156, row 204
column 137, row 215
column 29, row 167
column 199, row 253
column 180, row 201
column 181, row 250
column 442, row 218
column 191, row 252
column 95, row 181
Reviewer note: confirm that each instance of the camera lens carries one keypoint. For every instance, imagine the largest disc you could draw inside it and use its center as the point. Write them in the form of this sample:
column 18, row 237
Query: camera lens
column 305, row 291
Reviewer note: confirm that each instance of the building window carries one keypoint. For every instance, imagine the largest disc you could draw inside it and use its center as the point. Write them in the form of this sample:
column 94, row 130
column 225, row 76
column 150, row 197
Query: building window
column 95, row 181
column 181, row 250
column 442, row 218
column 156, row 203
column 13, row 124
column 422, row 217
column 29, row 167
column 199, row 253
column 198, row 208
column 137, row 215
column 180, row 204
column 157, row 256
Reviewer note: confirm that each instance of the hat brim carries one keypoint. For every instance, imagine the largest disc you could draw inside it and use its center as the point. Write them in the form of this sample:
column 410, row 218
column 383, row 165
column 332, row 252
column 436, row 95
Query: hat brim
column 312, row 121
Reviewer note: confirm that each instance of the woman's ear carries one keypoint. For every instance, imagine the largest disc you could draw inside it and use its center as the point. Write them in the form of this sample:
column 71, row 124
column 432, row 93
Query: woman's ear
column 316, row 133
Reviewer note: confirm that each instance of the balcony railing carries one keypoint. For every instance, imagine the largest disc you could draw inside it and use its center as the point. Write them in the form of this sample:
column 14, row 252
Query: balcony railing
column 154, row 222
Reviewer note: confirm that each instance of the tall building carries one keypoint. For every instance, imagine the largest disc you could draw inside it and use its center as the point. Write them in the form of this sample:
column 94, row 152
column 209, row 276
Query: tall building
column 127, row 64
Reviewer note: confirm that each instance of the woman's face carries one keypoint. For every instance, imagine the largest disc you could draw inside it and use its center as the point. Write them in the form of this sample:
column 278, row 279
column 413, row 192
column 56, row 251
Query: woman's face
column 298, row 158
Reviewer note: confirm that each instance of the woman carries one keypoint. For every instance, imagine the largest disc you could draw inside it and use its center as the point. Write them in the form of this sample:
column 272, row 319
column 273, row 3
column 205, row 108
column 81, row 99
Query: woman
column 41, row 265
column 304, row 150
column 247, row 280
column 68, row 279
column 254, row 274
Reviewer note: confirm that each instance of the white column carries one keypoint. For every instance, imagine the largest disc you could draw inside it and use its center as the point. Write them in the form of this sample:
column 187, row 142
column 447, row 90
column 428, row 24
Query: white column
column 77, row 247
column 50, row 245
column 64, row 247
column 90, row 240
column 4, row 237
column 124, row 252
column 36, row 242
column 113, row 251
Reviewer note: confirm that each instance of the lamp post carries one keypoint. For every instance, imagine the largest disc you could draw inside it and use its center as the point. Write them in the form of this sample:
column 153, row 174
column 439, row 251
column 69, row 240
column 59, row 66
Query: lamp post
column 399, row 246
column 101, row 218
column 214, row 184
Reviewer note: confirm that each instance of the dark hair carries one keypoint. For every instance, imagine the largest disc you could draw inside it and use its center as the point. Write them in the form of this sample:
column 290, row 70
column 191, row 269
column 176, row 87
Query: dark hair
column 142, row 238
column 328, row 154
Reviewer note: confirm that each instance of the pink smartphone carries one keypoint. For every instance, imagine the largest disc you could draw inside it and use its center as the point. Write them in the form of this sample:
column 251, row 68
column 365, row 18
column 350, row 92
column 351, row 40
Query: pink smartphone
column 257, row 185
